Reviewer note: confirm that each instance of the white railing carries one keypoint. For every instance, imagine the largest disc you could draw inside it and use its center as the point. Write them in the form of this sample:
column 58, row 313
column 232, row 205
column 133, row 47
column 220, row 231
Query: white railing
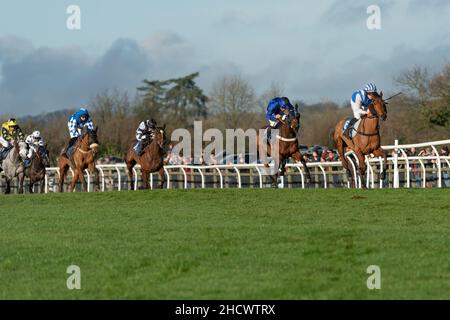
column 434, row 171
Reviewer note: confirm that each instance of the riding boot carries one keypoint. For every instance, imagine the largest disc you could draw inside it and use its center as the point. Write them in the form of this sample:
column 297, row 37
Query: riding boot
column 68, row 147
column 347, row 132
column 268, row 133
column 138, row 148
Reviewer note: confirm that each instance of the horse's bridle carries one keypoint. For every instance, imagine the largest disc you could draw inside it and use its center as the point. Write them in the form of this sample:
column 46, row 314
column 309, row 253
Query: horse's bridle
column 91, row 147
column 372, row 116
column 288, row 121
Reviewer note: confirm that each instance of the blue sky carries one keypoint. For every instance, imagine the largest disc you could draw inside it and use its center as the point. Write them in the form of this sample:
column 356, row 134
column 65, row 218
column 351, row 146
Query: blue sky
column 317, row 50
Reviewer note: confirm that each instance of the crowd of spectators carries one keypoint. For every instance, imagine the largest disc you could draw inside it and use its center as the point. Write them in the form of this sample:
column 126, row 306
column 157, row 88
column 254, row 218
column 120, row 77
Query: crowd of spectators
column 324, row 155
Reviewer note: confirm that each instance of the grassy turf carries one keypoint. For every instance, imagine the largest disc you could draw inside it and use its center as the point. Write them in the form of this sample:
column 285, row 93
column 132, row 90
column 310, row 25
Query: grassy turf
column 227, row 244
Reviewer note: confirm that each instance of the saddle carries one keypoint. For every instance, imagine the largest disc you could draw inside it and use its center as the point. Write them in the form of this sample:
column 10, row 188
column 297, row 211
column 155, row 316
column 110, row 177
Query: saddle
column 145, row 144
column 353, row 129
column 70, row 151
column 4, row 152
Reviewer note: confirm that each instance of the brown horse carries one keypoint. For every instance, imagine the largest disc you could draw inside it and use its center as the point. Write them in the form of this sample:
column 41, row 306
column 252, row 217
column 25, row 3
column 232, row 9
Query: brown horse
column 36, row 171
column 287, row 145
column 366, row 140
column 151, row 160
column 86, row 149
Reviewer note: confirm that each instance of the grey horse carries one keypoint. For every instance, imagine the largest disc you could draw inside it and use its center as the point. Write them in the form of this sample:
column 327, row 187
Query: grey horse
column 13, row 165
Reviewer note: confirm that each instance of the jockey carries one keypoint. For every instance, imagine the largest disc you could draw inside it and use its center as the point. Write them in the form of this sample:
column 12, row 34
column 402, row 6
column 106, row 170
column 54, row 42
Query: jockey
column 360, row 101
column 144, row 135
column 77, row 121
column 275, row 112
column 34, row 141
column 10, row 130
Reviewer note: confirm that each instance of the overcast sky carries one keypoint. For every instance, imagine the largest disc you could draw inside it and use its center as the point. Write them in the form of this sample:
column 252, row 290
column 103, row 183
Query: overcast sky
column 317, row 50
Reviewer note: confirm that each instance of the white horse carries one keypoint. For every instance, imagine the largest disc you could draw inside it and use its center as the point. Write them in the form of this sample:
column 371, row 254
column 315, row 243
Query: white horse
column 13, row 165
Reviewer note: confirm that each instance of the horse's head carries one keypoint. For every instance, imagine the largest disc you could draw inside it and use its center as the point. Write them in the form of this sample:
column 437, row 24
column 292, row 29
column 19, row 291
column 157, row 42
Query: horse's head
column 89, row 138
column 22, row 148
column 42, row 153
column 160, row 136
column 378, row 106
column 292, row 117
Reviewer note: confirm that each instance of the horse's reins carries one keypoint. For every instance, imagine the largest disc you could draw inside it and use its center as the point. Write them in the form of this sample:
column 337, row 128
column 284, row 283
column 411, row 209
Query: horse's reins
column 283, row 138
column 91, row 147
column 376, row 116
column 370, row 134
column 286, row 139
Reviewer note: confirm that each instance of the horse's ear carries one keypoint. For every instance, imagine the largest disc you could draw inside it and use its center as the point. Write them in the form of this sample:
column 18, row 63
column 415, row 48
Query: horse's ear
column 381, row 94
column 164, row 126
column 96, row 129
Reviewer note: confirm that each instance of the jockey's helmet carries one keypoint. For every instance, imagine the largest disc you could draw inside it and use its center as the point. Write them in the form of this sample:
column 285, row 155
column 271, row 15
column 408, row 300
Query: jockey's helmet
column 286, row 101
column 370, row 87
column 12, row 123
column 36, row 134
column 151, row 123
column 83, row 113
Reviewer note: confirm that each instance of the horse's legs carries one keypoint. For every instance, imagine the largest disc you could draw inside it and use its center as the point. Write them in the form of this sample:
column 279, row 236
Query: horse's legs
column 62, row 174
column 282, row 169
column 340, row 148
column 21, row 178
column 277, row 166
column 145, row 179
column 74, row 181
column 8, row 185
column 130, row 165
column 382, row 153
column 94, row 171
column 30, row 186
column 299, row 157
column 162, row 177
column 42, row 185
column 362, row 167
column 82, row 179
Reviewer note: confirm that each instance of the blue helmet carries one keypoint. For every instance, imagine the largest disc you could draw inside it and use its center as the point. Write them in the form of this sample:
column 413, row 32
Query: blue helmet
column 370, row 87
column 83, row 112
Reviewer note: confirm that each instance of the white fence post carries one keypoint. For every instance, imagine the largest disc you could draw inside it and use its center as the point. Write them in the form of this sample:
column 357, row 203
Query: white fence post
column 395, row 158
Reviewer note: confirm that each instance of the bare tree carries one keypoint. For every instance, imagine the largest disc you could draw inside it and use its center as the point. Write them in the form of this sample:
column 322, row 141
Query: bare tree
column 231, row 97
column 275, row 90
column 430, row 92
column 416, row 83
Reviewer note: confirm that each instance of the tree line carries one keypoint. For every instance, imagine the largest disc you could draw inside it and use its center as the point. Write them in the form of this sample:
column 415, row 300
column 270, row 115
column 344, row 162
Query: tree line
column 422, row 113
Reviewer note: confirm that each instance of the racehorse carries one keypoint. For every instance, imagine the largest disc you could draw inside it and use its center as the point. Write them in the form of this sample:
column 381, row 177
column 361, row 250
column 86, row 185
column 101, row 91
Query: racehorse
column 36, row 171
column 287, row 145
column 13, row 165
column 366, row 140
column 84, row 156
column 151, row 160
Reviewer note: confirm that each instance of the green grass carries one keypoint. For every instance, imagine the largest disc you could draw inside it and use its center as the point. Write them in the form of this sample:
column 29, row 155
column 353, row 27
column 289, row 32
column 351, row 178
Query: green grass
column 227, row 244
